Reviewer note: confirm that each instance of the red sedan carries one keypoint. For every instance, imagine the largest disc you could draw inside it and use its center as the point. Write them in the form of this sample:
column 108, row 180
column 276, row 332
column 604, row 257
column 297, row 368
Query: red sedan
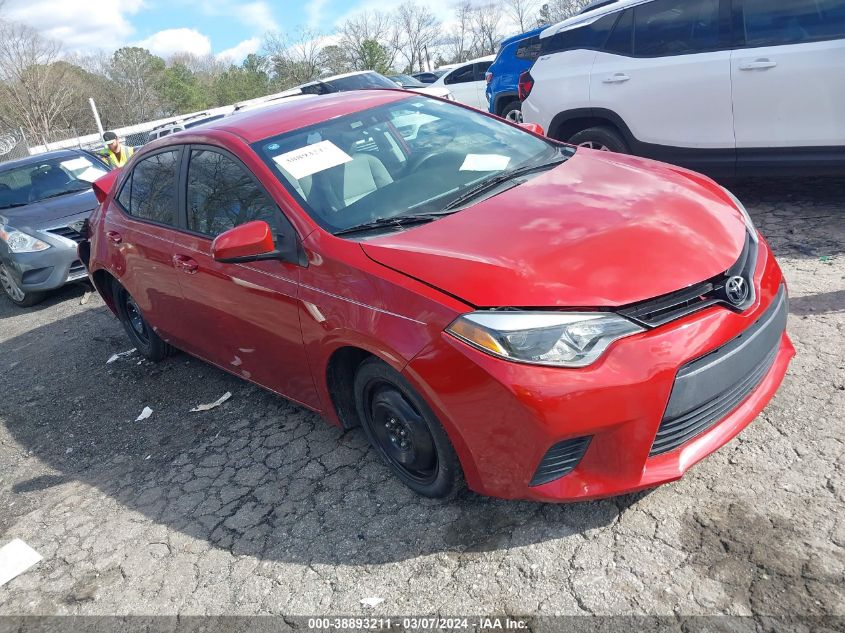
column 488, row 304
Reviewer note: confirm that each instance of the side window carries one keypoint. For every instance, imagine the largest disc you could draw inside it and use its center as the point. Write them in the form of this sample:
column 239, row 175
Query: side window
column 589, row 36
column 222, row 195
column 124, row 197
column 460, row 76
column 676, row 27
column 621, row 41
column 481, row 70
column 529, row 49
column 152, row 188
column 777, row 22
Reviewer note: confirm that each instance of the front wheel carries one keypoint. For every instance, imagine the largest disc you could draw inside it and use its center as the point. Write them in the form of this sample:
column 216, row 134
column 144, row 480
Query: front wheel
column 600, row 138
column 15, row 293
column 405, row 432
column 513, row 112
column 145, row 340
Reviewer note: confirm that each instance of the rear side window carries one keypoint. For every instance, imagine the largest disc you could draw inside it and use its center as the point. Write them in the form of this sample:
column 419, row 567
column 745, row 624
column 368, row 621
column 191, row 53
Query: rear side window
column 676, row 27
column 529, row 49
column 152, row 188
column 590, row 36
column 776, row 22
column 461, row 75
column 222, row 195
column 481, row 70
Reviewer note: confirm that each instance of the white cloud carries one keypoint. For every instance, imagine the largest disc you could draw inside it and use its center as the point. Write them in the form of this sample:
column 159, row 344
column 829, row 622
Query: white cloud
column 77, row 24
column 170, row 41
column 238, row 53
column 256, row 15
column 314, row 11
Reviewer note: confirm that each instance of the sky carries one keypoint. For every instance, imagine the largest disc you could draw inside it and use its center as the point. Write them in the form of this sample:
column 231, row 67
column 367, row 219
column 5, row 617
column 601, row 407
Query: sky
column 225, row 28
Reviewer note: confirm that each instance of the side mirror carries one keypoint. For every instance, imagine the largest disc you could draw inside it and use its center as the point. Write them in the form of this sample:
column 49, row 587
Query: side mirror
column 245, row 243
column 533, row 127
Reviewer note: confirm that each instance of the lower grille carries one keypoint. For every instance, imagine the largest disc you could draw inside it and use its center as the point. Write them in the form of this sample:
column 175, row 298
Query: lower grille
column 77, row 269
column 709, row 388
column 560, row 459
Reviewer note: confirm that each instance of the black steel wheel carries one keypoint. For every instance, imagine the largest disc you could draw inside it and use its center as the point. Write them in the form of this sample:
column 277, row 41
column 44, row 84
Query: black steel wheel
column 142, row 336
column 405, row 432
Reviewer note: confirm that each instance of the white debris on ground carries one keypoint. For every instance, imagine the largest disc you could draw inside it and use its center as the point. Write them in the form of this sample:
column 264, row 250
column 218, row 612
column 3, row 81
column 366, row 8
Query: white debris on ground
column 212, row 405
column 15, row 558
column 147, row 412
column 372, row 602
column 119, row 355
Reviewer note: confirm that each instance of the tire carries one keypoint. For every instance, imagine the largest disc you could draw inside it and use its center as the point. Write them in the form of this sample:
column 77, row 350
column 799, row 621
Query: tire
column 513, row 111
column 600, row 138
column 142, row 336
column 393, row 414
column 15, row 293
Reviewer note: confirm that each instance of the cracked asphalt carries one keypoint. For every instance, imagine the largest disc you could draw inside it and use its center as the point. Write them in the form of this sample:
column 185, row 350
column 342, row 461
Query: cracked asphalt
column 261, row 507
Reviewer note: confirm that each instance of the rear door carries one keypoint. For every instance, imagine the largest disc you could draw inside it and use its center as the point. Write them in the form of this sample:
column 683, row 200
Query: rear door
column 243, row 317
column 665, row 70
column 141, row 240
column 480, row 77
column 788, row 73
column 462, row 82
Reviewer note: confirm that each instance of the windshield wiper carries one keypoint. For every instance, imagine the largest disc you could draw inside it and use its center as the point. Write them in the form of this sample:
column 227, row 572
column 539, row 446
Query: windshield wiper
column 395, row 221
column 14, row 204
column 502, row 177
column 62, row 193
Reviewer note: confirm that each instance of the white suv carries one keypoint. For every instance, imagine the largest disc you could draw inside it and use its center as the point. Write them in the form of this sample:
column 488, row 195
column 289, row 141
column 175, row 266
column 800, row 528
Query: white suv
column 716, row 85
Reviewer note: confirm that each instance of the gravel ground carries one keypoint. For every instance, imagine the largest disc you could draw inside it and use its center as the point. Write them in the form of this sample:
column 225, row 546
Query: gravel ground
column 260, row 507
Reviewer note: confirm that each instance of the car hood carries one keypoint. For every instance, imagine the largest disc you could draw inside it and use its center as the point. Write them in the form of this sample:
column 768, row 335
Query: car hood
column 50, row 212
column 599, row 230
column 434, row 91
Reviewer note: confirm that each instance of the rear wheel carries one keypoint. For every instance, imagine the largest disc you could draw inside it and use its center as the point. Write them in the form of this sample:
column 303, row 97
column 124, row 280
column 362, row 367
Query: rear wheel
column 513, row 111
column 145, row 340
column 601, row 138
column 15, row 293
column 405, row 432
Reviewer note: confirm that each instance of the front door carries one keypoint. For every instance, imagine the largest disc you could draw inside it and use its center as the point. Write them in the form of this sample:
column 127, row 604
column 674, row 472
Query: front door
column 463, row 84
column 243, row 317
column 789, row 74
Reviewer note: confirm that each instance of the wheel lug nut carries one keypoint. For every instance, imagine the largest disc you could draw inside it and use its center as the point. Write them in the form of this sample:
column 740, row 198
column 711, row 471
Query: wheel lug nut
column 403, row 433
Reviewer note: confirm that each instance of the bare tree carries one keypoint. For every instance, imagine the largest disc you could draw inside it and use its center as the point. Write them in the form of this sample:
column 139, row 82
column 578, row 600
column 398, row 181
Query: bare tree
column 33, row 90
column 420, row 29
column 294, row 59
column 486, row 19
column 368, row 26
column 522, row 12
column 556, row 10
column 458, row 42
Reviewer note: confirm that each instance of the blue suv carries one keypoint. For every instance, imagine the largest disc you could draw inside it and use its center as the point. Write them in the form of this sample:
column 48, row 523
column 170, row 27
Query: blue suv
column 516, row 55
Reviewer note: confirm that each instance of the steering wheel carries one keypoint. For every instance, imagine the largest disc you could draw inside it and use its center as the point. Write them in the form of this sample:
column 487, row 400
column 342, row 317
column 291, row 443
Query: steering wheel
column 432, row 156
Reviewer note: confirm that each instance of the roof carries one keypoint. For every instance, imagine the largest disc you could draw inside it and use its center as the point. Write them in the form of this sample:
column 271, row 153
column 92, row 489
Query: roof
column 589, row 16
column 289, row 115
column 37, row 158
column 521, row 36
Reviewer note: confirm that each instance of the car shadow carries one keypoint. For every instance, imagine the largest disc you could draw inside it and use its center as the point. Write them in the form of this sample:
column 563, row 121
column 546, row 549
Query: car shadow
column 73, row 291
column 257, row 475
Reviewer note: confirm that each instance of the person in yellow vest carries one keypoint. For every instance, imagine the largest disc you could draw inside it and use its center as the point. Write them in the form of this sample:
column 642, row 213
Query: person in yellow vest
column 115, row 153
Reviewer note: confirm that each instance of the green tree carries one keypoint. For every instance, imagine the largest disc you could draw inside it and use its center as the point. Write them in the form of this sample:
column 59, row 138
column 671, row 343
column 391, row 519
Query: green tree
column 239, row 83
column 136, row 75
column 181, row 91
column 375, row 57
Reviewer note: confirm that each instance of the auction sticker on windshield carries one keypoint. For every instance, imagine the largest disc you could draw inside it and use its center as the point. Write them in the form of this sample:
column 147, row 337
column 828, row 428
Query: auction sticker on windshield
column 312, row 159
column 485, row 162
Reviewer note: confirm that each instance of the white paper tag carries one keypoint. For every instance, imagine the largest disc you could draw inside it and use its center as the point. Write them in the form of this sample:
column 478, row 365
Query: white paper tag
column 76, row 163
column 15, row 558
column 311, row 159
column 485, row 162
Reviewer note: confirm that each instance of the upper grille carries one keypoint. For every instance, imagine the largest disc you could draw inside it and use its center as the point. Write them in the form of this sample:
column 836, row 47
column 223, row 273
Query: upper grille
column 67, row 232
column 710, row 387
column 560, row 459
column 655, row 312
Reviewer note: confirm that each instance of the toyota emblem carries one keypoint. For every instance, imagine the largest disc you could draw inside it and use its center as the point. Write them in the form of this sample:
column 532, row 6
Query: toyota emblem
column 736, row 290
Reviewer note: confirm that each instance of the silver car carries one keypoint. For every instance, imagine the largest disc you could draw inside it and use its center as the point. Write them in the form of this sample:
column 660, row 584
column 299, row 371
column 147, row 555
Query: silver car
column 44, row 201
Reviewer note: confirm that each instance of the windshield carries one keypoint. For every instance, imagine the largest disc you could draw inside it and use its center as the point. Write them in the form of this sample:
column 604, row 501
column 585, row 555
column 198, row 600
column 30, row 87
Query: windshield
column 49, row 178
column 364, row 81
column 413, row 156
column 406, row 81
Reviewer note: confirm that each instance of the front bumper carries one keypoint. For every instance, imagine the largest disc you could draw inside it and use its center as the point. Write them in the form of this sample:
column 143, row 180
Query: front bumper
column 503, row 417
column 45, row 270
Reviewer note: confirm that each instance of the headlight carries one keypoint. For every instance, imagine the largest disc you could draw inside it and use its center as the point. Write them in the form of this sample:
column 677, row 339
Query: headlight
column 19, row 242
column 741, row 208
column 561, row 339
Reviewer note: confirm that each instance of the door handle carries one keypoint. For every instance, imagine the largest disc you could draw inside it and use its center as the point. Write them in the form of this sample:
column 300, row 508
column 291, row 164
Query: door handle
column 185, row 264
column 114, row 237
column 616, row 78
column 758, row 64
